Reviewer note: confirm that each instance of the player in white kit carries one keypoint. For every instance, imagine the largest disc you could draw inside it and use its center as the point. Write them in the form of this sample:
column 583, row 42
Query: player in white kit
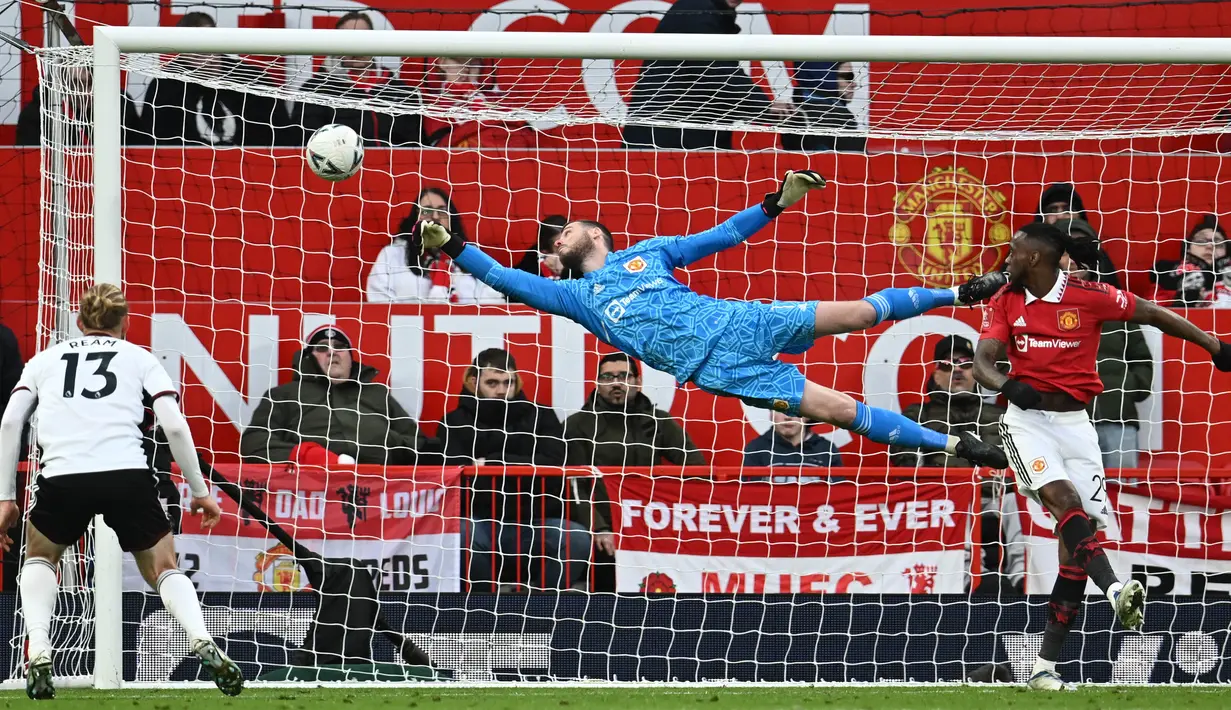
column 90, row 395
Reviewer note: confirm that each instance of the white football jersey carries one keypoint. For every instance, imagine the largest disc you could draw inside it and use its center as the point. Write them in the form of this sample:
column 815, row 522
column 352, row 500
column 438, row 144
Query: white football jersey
column 92, row 392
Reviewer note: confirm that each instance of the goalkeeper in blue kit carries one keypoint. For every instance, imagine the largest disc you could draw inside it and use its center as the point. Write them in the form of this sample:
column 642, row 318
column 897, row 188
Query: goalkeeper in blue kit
column 631, row 300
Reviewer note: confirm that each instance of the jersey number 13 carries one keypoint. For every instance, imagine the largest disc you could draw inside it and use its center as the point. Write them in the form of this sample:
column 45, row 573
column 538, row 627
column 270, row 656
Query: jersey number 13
column 70, row 374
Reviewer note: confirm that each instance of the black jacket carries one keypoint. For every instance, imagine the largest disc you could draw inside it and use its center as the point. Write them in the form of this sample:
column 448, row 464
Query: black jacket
column 512, row 432
column 77, row 131
column 638, row 435
column 403, row 129
column 692, row 90
column 11, row 364
column 358, row 417
column 179, row 112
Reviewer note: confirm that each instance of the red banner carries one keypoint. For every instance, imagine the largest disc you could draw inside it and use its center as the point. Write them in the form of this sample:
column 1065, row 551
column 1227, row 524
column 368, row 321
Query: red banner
column 356, row 502
column 403, row 524
column 1178, row 536
column 689, row 535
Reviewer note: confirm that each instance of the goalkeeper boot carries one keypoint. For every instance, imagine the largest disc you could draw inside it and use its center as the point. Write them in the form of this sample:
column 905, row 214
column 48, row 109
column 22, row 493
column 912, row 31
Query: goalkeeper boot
column 1129, row 602
column 1047, row 680
column 979, row 452
column 38, row 679
column 981, row 288
column 222, row 670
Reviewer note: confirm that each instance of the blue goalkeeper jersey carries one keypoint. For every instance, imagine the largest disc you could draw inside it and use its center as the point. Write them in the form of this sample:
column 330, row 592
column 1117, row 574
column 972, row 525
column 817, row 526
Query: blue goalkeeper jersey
column 635, row 302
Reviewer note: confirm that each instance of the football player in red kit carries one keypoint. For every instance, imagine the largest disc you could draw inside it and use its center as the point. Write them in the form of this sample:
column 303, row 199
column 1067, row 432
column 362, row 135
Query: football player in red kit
column 1048, row 324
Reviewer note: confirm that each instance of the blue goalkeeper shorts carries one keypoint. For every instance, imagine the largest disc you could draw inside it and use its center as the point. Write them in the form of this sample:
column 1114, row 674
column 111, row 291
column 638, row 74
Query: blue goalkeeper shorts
column 743, row 364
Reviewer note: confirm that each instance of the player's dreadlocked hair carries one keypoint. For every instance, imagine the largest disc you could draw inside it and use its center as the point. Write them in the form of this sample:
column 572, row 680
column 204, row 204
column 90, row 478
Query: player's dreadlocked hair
column 1081, row 248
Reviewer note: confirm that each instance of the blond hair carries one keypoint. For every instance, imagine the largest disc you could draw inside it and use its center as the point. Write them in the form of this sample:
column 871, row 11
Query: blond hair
column 103, row 307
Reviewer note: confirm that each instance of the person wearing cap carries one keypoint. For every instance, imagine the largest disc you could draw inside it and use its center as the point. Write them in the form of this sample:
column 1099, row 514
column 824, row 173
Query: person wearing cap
column 1201, row 276
column 332, row 411
column 1125, row 365
column 953, row 405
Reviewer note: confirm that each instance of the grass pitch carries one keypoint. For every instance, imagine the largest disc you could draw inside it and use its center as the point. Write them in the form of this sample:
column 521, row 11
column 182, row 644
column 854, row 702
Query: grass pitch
column 711, row 698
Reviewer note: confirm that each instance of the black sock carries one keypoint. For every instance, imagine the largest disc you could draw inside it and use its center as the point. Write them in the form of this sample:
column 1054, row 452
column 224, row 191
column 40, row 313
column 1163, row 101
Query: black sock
column 1062, row 610
column 1078, row 536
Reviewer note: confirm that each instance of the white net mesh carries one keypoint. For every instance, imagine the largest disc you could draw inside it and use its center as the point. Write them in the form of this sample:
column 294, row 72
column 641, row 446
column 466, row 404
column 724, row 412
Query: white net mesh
column 235, row 253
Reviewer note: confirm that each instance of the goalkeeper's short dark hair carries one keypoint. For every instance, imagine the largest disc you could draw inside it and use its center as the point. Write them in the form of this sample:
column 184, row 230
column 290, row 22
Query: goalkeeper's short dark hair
column 633, row 367
column 494, row 358
column 588, row 223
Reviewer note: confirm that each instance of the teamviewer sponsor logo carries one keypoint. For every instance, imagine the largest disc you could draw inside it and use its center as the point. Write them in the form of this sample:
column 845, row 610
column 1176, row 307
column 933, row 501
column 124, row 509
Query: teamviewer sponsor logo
column 617, row 308
column 1025, row 343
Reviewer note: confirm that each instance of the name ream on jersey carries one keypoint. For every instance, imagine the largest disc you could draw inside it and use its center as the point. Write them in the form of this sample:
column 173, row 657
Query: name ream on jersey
column 1026, row 342
column 617, row 308
column 90, row 342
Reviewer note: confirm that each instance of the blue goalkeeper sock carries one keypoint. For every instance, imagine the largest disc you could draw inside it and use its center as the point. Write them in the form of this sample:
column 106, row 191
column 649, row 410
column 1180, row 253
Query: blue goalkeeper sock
column 901, row 303
column 885, row 427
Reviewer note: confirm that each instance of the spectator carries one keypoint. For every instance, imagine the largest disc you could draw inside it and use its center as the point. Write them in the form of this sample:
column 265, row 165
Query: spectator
column 11, row 364
column 698, row 91
column 791, row 442
column 953, row 405
column 619, row 426
column 184, row 112
column 823, row 92
column 333, row 412
column 495, row 423
column 1062, row 201
column 403, row 273
column 74, row 90
column 360, row 79
column 1125, row 366
column 1201, row 277
column 465, row 85
column 542, row 260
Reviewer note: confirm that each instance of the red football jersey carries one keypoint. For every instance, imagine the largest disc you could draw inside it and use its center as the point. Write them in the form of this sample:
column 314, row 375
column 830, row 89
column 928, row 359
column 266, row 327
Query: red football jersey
column 1053, row 341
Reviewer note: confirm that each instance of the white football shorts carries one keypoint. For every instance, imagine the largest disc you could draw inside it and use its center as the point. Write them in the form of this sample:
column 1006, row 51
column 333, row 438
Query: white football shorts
column 1054, row 446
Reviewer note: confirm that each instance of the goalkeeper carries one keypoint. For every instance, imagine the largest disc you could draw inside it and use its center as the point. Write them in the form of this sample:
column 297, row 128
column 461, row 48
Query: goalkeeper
column 631, row 300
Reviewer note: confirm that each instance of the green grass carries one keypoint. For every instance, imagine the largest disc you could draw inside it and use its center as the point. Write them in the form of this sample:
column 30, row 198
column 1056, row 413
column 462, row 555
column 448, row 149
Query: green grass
column 522, row 698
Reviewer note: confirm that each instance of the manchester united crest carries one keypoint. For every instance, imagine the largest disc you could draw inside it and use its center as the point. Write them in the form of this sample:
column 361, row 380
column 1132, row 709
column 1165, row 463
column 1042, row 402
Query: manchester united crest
column 1068, row 319
column 277, row 571
column 949, row 226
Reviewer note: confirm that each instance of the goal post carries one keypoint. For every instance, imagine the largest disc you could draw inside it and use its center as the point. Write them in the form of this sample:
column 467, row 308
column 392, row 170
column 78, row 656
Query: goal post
column 115, row 47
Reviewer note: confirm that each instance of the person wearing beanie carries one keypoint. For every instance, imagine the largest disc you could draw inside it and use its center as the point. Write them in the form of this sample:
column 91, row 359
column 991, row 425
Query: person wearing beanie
column 1201, row 275
column 334, row 412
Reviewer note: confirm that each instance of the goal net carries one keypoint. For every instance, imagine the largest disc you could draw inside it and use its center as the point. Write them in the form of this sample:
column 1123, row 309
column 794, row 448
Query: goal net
column 496, row 510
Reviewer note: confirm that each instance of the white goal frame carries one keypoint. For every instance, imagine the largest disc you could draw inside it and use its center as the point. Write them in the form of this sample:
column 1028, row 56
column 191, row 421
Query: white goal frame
column 109, row 42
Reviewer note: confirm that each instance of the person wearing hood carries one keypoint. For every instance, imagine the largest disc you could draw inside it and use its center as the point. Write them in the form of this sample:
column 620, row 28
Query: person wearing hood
column 824, row 91
column 495, row 423
column 1201, row 276
column 332, row 411
column 1061, row 201
column 696, row 91
column 1125, row 365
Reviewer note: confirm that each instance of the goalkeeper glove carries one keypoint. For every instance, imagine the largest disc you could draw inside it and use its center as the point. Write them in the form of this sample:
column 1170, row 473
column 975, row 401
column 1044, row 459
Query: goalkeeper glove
column 1223, row 359
column 1021, row 394
column 434, row 236
column 795, row 184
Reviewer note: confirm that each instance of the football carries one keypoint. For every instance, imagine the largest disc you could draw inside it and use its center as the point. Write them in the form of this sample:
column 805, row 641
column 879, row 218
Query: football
column 335, row 152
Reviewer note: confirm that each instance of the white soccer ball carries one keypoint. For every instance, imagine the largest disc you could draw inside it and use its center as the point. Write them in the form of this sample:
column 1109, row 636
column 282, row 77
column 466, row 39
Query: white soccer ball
column 335, row 152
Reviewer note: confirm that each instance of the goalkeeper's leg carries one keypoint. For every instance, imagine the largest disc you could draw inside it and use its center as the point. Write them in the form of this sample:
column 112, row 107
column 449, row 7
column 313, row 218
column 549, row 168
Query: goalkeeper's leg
column 901, row 303
column 886, row 427
column 158, row 566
